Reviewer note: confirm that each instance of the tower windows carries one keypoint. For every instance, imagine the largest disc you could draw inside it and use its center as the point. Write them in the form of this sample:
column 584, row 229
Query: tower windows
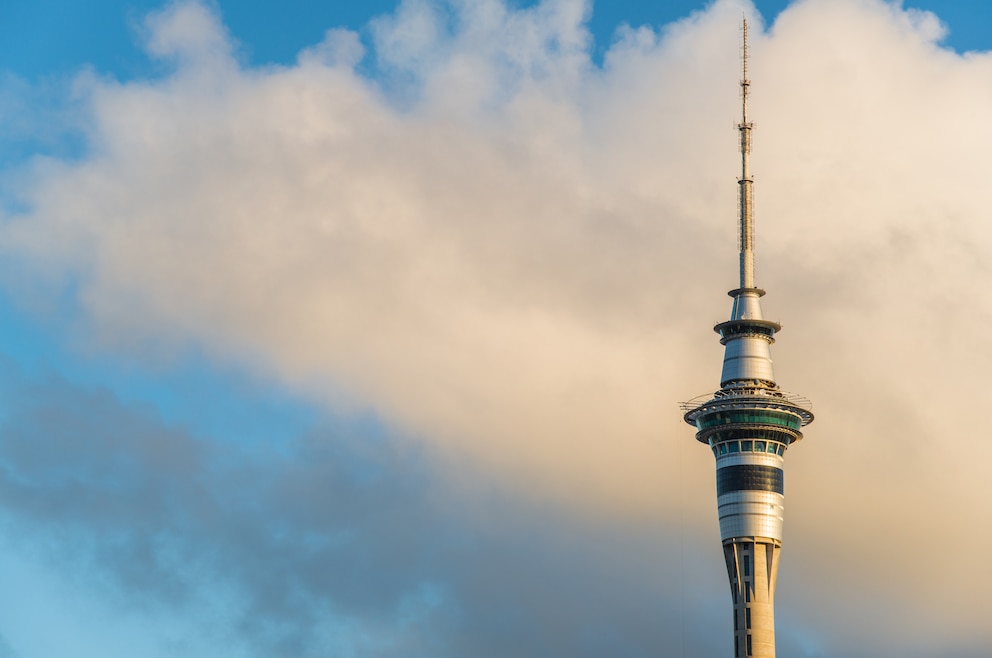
column 719, row 434
column 771, row 447
column 749, row 416
column 747, row 618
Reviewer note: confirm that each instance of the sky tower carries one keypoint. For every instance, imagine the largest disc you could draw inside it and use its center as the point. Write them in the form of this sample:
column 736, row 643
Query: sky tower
column 749, row 424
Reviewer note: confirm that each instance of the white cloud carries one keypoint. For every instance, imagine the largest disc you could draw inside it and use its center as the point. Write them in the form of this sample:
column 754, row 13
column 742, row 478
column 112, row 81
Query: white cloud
column 340, row 47
column 515, row 255
column 186, row 31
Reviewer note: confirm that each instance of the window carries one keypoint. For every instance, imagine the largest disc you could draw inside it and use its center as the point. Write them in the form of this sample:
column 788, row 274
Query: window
column 746, row 446
column 747, row 618
column 759, row 446
column 756, row 416
column 734, row 446
column 749, row 644
column 719, row 433
column 723, row 448
column 744, row 328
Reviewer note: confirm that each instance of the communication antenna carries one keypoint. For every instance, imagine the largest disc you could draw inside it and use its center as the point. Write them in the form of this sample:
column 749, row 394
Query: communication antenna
column 746, row 183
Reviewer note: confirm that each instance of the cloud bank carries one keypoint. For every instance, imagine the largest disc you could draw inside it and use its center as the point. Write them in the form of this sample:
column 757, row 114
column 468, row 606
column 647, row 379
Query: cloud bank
column 514, row 255
column 337, row 543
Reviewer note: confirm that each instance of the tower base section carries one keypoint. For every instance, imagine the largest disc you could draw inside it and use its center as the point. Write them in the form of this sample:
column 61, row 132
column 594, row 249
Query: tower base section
column 752, row 565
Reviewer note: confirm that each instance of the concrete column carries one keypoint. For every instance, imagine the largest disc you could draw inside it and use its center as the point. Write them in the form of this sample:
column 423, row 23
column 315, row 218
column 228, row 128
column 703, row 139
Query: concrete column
column 752, row 565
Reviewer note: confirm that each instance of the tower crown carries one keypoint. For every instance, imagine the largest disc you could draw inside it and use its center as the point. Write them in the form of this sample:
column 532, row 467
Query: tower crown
column 748, row 376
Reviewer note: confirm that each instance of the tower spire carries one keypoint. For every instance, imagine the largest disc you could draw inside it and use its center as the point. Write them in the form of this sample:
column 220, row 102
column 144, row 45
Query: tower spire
column 745, row 182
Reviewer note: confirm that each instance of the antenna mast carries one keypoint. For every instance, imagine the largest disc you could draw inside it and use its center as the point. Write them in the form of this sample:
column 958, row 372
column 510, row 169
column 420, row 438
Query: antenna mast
column 745, row 181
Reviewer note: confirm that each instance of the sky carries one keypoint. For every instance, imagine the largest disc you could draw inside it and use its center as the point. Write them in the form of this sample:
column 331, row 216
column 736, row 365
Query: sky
column 359, row 329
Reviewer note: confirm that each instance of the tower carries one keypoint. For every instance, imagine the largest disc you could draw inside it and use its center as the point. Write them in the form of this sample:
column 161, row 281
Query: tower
column 749, row 424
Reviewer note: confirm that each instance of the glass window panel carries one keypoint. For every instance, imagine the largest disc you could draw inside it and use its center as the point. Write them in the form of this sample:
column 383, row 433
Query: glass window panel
column 767, row 417
column 746, row 446
column 759, row 446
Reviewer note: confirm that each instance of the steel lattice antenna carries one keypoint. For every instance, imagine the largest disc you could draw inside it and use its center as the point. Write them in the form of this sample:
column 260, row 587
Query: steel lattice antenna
column 746, row 183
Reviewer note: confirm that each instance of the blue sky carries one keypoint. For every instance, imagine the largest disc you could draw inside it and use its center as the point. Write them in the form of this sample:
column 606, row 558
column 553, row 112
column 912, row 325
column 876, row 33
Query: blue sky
column 357, row 329
column 267, row 33
column 51, row 37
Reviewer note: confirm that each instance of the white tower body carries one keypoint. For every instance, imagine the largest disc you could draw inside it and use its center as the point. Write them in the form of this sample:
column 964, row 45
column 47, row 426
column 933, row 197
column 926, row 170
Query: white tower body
column 749, row 424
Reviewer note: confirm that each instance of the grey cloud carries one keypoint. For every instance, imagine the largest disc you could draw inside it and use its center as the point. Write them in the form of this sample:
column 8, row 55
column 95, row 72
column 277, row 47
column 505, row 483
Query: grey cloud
column 345, row 542
column 339, row 542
